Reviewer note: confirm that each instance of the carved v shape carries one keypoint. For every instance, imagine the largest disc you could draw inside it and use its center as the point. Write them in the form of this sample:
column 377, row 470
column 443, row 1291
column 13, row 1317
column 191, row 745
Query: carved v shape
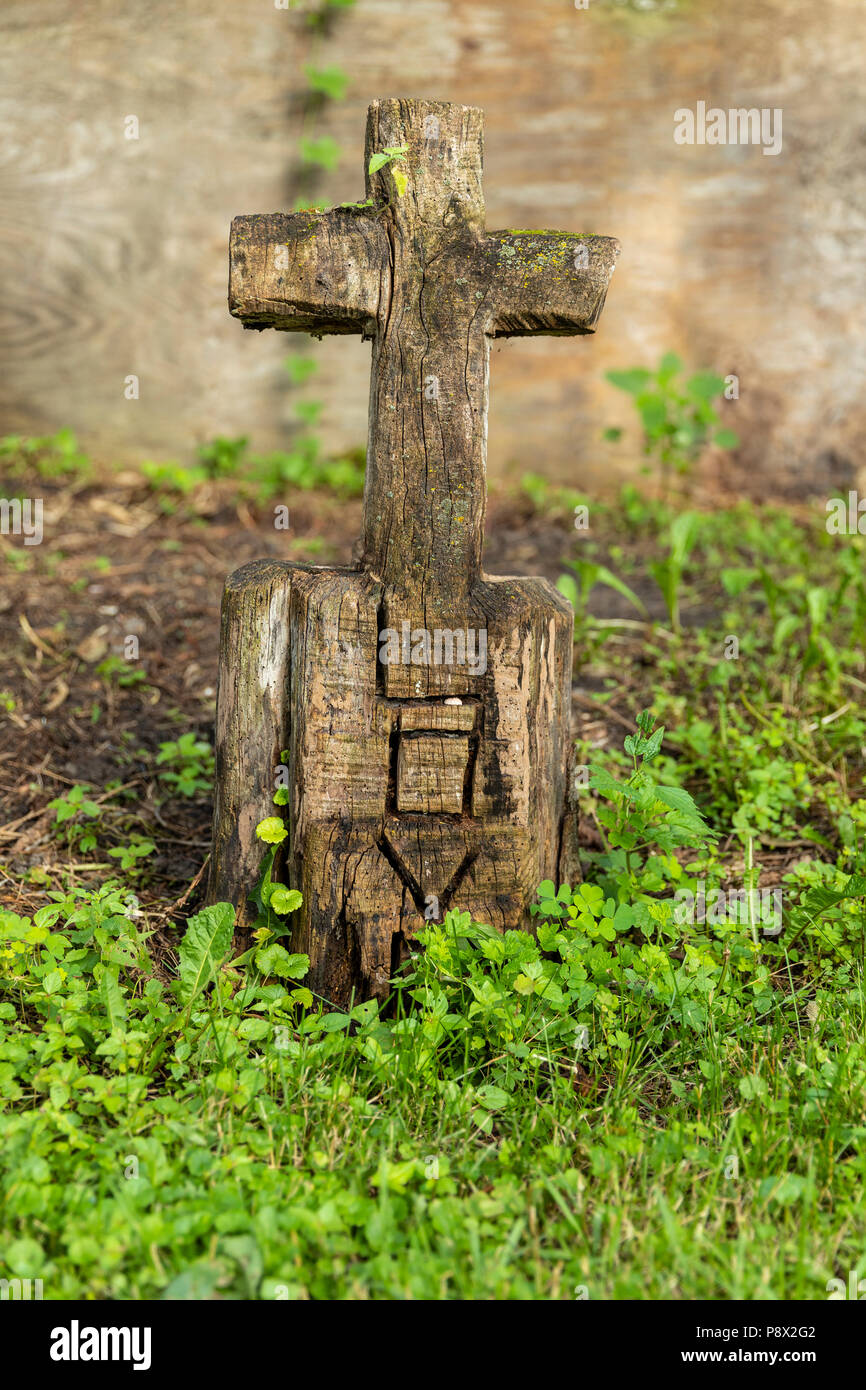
column 409, row 881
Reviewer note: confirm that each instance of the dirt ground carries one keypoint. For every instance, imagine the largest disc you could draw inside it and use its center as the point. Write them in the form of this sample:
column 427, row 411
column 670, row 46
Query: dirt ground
column 114, row 565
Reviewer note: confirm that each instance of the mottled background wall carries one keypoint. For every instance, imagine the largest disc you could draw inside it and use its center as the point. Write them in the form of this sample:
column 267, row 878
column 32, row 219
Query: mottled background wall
column 113, row 252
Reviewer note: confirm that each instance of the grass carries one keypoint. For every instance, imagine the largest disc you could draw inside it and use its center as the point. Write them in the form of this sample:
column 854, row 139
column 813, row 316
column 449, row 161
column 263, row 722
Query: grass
column 634, row 1103
column 366, row 1160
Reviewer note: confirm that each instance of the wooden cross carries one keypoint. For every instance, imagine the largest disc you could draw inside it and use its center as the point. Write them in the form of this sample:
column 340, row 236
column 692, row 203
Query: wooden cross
column 423, row 708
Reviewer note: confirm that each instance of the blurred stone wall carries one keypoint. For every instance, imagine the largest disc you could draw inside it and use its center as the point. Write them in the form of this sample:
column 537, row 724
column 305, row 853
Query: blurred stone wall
column 113, row 251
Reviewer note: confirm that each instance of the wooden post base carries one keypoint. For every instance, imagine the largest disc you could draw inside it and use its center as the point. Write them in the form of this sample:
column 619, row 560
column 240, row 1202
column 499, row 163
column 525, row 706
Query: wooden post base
column 427, row 765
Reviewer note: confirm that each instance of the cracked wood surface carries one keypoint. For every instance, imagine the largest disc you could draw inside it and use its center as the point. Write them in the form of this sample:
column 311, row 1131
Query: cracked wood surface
column 417, row 781
column 418, row 272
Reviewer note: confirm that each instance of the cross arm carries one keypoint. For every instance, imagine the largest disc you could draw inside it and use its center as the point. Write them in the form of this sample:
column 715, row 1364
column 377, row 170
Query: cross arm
column 309, row 272
column 546, row 282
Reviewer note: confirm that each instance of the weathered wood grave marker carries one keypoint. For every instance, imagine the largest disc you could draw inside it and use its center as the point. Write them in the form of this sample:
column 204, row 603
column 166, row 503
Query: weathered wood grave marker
column 421, row 708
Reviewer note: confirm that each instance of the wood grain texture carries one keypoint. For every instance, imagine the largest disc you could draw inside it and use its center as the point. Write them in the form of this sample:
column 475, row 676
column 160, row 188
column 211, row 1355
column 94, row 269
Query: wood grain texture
column 431, row 772
column 456, row 718
column 112, row 252
column 419, row 273
column 401, row 805
column 252, row 724
column 306, row 272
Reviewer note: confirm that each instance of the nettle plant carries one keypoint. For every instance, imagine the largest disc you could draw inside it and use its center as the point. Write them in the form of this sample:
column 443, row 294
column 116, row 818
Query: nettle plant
column 186, row 764
column 79, row 816
column 643, row 821
column 303, row 463
column 678, row 418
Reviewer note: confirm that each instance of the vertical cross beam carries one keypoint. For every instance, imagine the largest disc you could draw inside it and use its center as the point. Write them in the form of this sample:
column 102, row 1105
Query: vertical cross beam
column 425, row 492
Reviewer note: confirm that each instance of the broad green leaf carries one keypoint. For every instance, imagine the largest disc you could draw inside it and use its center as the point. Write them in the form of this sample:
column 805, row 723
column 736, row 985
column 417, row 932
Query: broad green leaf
column 550, row 907
column 325, row 152
column 271, row 830
column 726, row 439
column 817, row 900
column 684, row 533
column 787, row 625
column 677, row 799
column 493, row 1097
column 274, row 959
column 736, row 580
column 300, row 369
column 653, row 412
column 195, row 1284
column 205, row 945
column 705, row 386
column 602, row 781
column 752, row 1087
column 383, row 157
column 285, row 900
column 113, row 1000
column 653, row 743
column 568, row 587
column 254, row 1028
column 330, row 81
column 335, row 1022
column 589, row 895
column 549, row 991
column 59, row 1094
column 632, row 380
column 623, row 917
